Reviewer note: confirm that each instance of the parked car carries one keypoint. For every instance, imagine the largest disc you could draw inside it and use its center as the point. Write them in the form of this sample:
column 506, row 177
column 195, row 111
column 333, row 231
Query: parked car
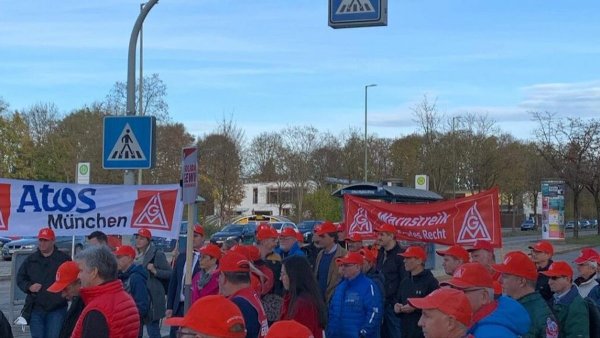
column 63, row 243
column 528, row 224
column 593, row 223
column 4, row 240
column 243, row 233
column 307, row 227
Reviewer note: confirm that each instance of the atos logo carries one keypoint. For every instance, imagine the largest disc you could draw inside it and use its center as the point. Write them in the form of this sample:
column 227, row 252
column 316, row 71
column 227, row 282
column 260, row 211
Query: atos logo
column 4, row 206
column 154, row 209
column 64, row 200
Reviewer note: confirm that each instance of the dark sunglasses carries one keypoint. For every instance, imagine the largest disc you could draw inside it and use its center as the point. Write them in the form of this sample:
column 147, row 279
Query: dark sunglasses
column 557, row 277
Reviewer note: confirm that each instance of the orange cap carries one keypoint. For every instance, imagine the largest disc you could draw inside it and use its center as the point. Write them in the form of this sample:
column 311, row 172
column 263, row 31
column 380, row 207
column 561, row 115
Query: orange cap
column 586, row 254
column 265, row 231
column 350, row 258
column 233, row 261
column 543, row 246
column 481, row 245
column 145, row 233
column 226, row 322
column 450, row 301
column 47, row 234
column 414, row 252
column 125, row 250
column 559, row 269
column 289, row 232
column 368, row 254
column 199, row 229
column 456, row 251
column 386, row 228
column 325, row 228
column 470, row 275
column 66, row 274
column 211, row 250
column 518, row 264
column 355, row 237
column 289, row 329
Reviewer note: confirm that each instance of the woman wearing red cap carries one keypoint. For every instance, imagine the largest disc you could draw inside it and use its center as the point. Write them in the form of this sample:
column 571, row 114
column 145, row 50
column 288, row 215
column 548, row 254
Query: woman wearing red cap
column 206, row 281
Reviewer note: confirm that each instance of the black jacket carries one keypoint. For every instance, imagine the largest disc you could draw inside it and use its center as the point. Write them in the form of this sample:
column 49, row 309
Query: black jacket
column 39, row 269
column 391, row 265
column 417, row 286
column 5, row 328
column 377, row 278
column 71, row 318
column 541, row 285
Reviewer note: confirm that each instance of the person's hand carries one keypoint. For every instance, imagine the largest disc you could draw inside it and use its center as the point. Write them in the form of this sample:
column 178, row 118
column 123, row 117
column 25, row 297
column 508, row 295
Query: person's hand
column 397, row 307
column 35, row 287
column 169, row 313
column 407, row 308
column 151, row 268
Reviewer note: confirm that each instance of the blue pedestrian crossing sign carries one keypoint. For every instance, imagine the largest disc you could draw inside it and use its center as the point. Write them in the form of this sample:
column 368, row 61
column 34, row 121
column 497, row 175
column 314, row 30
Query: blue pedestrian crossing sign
column 357, row 13
column 128, row 142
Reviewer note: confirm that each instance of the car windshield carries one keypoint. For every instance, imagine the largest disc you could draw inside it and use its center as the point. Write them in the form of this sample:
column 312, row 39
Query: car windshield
column 277, row 226
column 233, row 228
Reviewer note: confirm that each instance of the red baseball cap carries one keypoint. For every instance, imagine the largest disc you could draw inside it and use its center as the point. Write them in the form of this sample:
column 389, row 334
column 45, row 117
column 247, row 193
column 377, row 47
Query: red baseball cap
column 145, row 233
column 289, row 232
column 559, row 269
column 386, row 228
column 325, row 228
column 456, row 251
column 250, row 252
column 470, row 275
column 368, row 254
column 355, row 237
column 450, row 301
column 543, row 246
column 414, row 252
column 350, row 258
column 47, row 234
column 481, row 245
column 288, row 329
column 233, row 261
column 66, row 274
column 586, row 254
column 212, row 250
column 199, row 229
column 266, row 231
column 125, row 250
column 519, row 264
column 341, row 227
column 213, row 315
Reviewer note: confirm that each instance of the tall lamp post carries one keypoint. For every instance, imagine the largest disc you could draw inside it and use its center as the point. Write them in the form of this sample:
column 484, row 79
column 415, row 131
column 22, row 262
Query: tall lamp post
column 366, row 150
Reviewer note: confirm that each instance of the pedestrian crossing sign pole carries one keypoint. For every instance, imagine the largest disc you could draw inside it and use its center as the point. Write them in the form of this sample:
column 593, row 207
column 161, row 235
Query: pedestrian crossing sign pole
column 128, row 142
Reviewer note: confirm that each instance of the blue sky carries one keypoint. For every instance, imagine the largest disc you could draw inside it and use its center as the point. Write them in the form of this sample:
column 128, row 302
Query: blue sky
column 276, row 63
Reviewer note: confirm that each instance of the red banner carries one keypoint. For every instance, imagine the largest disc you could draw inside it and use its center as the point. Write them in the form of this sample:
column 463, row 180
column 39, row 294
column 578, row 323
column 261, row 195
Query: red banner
column 459, row 221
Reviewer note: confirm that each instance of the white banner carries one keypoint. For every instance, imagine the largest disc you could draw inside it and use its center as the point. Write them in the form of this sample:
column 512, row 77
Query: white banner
column 76, row 210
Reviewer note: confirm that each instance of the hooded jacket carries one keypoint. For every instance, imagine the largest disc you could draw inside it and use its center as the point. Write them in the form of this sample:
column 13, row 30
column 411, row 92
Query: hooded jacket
column 507, row 319
column 134, row 282
column 417, row 286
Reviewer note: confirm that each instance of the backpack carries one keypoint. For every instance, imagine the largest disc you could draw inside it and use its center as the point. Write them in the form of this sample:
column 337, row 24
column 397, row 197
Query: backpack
column 594, row 317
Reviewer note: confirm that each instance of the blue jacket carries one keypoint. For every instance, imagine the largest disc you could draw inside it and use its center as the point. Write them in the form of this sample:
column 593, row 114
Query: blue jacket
column 295, row 250
column 175, row 283
column 134, row 282
column 509, row 319
column 595, row 294
column 356, row 305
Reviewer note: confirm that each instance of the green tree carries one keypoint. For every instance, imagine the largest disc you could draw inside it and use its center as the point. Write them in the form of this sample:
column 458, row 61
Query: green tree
column 321, row 205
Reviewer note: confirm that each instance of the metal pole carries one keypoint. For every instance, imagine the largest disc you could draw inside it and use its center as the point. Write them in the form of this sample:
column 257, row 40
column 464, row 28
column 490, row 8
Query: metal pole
column 140, row 94
column 454, row 157
column 366, row 150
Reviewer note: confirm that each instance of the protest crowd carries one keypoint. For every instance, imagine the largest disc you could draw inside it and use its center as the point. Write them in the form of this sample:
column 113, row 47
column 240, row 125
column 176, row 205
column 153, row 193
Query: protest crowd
column 333, row 287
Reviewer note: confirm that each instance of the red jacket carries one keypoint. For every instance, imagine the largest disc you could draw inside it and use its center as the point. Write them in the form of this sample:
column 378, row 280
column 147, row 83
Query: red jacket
column 117, row 307
column 252, row 297
column 304, row 312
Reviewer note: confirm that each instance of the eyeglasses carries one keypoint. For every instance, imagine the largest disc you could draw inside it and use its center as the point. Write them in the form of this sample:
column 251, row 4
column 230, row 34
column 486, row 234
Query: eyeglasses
column 557, row 277
column 184, row 334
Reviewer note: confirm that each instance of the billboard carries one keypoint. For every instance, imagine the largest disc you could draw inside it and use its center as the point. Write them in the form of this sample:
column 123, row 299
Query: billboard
column 553, row 209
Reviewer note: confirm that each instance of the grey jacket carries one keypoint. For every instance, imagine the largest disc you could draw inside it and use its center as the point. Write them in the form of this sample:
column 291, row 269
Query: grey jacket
column 155, row 287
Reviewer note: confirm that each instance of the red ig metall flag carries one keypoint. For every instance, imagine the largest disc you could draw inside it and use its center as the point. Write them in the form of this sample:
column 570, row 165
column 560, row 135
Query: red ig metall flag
column 459, row 221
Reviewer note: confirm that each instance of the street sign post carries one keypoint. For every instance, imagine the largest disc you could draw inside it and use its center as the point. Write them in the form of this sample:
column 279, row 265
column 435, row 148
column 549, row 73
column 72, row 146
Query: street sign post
column 189, row 175
column 357, row 13
column 128, row 142
column 83, row 173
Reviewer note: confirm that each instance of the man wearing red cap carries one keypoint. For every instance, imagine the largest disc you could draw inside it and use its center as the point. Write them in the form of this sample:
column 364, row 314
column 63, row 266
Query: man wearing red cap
column 289, row 329
column 354, row 242
column 211, row 316
column 67, row 284
column 586, row 265
column 482, row 252
column 492, row 318
column 420, row 283
column 541, row 255
column 234, row 283
column 518, row 281
column 109, row 311
column 569, row 307
column 134, row 278
column 175, row 291
column 446, row 313
column 355, row 308
column 43, row 310
column 326, row 271
column 454, row 256
column 368, row 268
column 391, row 266
column 288, row 243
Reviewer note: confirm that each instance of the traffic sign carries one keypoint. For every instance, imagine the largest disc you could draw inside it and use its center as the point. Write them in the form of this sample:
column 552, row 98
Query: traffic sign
column 83, row 173
column 357, row 13
column 128, row 142
column 189, row 174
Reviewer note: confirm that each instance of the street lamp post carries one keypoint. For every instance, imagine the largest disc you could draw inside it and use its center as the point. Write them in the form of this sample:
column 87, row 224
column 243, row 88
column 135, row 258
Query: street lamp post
column 366, row 150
